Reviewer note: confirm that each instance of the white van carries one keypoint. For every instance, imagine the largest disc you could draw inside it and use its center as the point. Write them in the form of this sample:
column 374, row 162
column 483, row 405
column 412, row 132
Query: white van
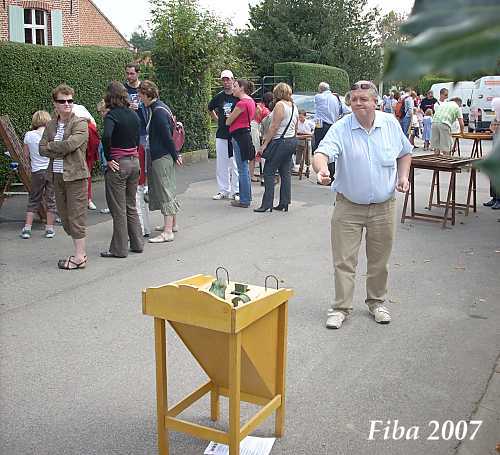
column 485, row 89
column 461, row 89
column 436, row 88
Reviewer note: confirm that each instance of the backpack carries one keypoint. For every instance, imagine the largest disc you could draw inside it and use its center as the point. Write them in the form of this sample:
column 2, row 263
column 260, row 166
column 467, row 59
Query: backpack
column 178, row 132
column 399, row 110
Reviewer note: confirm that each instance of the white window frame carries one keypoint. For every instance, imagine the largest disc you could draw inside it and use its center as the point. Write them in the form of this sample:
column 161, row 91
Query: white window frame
column 33, row 27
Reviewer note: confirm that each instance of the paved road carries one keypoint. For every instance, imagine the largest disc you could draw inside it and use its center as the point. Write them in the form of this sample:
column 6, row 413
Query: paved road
column 77, row 361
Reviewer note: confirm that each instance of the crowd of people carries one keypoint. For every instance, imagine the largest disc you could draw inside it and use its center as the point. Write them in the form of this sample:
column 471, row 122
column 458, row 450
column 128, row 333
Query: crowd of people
column 139, row 157
column 137, row 152
column 433, row 120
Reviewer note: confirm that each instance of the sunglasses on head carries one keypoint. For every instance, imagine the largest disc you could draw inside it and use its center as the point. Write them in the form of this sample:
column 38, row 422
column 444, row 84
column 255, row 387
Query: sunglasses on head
column 362, row 86
column 64, row 101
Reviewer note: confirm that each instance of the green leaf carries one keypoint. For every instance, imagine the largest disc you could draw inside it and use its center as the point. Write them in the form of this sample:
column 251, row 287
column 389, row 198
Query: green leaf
column 452, row 37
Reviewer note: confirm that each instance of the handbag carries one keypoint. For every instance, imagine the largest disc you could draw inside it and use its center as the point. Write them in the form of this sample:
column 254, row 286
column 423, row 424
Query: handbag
column 268, row 152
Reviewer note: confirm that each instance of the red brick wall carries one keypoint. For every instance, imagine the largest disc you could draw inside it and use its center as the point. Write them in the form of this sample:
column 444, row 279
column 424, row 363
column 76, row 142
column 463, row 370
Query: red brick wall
column 83, row 23
column 96, row 30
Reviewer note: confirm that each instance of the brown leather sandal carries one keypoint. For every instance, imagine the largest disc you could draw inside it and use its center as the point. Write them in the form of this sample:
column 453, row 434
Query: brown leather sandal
column 64, row 264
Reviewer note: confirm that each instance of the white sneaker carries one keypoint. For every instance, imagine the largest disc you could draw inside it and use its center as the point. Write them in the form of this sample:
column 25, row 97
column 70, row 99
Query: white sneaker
column 104, row 211
column 335, row 319
column 219, row 196
column 381, row 314
column 49, row 234
column 235, row 197
column 92, row 206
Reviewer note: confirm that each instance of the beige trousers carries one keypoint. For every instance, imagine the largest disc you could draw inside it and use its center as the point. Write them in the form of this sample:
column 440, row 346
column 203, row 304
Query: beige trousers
column 348, row 222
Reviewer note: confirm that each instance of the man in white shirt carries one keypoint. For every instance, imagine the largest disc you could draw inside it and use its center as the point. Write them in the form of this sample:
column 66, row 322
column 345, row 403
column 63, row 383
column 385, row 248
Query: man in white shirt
column 328, row 108
column 305, row 131
column 373, row 159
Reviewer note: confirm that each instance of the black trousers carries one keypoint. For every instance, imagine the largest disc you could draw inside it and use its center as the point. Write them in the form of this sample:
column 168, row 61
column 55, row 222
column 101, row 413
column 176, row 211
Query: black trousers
column 281, row 161
column 319, row 134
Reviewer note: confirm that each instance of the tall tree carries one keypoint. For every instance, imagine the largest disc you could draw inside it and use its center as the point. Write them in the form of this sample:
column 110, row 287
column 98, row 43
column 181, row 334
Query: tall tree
column 186, row 46
column 332, row 32
column 389, row 29
column 142, row 40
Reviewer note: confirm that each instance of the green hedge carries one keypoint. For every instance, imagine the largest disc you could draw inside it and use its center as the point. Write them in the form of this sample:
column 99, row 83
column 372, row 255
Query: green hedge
column 30, row 72
column 307, row 76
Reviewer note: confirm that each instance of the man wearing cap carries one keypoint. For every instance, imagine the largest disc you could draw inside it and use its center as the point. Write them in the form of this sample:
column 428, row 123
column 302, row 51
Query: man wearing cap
column 373, row 159
column 220, row 108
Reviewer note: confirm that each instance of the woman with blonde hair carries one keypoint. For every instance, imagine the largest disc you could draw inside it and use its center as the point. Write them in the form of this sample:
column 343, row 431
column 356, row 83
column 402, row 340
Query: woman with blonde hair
column 278, row 147
column 39, row 178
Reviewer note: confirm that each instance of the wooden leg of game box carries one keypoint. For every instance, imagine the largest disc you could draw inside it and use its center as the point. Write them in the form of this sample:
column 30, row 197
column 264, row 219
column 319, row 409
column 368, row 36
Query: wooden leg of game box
column 161, row 385
column 281, row 368
column 214, row 403
column 234, row 393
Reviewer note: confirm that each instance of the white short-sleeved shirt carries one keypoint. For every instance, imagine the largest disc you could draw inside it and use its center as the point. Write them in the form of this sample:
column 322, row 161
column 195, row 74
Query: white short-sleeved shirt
column 32, row 140
column 305, row 127
column 366, row 166
column 58, row 165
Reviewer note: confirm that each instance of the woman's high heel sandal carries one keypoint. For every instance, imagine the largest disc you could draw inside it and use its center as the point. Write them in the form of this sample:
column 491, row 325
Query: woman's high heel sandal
column 263, row 209
column 281, row 208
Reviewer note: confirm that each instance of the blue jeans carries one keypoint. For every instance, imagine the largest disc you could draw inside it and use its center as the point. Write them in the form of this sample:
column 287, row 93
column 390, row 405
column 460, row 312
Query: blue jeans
column 405, row 125
column 244, row 175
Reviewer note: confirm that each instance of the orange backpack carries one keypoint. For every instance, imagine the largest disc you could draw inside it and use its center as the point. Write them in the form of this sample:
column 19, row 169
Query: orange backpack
column 399, row 110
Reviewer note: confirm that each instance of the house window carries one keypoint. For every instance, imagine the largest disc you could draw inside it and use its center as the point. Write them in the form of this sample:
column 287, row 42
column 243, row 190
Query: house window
column 35, row 26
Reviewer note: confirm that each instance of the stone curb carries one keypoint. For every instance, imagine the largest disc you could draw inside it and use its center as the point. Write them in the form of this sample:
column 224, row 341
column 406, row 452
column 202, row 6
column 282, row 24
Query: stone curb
column 487, row 441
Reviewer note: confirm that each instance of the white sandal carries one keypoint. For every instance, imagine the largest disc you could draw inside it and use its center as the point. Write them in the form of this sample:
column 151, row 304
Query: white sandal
column 163, row 237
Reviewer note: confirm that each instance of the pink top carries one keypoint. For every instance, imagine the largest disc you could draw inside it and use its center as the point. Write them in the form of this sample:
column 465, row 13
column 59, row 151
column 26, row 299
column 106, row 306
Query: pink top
column 247, row 107
column 263, row 112
column 117, row 153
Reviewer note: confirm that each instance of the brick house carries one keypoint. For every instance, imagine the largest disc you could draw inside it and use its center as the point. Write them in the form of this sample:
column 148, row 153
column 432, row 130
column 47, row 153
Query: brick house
column 57, row 23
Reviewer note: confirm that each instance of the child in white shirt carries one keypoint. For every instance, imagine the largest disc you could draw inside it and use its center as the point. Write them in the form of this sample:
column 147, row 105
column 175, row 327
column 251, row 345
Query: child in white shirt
column 40, row 184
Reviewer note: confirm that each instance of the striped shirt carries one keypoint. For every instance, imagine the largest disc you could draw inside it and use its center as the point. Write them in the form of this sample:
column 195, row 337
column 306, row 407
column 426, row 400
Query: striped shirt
column 448, row 112
column 58, row 166
column 366, row 166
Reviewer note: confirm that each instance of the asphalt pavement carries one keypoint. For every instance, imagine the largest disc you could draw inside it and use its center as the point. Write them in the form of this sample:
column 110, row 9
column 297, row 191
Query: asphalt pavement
column 77, row 354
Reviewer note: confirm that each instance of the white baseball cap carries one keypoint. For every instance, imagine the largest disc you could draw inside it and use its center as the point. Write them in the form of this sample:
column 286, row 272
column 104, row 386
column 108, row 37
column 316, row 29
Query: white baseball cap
column 227, row 73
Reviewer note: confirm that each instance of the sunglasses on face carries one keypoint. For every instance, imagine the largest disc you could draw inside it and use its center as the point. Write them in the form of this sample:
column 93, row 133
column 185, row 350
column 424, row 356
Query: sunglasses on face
column 64, row 101
column 363, row 86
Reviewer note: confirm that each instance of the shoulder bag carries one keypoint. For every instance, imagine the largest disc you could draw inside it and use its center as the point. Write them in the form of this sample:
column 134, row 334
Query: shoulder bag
column 243, row 137
column 273, row 145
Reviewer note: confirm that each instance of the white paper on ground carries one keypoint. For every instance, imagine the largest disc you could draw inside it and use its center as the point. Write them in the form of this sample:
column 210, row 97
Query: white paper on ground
column 251, row 445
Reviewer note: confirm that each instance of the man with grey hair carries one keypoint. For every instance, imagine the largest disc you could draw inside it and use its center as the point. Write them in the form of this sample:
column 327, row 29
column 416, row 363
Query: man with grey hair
column 373, row 159
column 328, row 109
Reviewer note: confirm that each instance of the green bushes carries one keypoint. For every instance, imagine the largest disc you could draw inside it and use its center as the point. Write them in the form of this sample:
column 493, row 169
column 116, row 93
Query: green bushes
column 307, row 76
column 30, row 73
column 187, row 41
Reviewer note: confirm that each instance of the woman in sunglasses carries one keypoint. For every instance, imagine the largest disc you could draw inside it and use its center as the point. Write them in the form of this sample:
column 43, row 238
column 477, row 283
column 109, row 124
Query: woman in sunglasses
column 64, row 141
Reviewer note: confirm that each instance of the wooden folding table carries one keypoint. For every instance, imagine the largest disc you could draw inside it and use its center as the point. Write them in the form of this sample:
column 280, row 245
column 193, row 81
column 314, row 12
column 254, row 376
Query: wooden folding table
column 437, row 164
column 477, row 146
